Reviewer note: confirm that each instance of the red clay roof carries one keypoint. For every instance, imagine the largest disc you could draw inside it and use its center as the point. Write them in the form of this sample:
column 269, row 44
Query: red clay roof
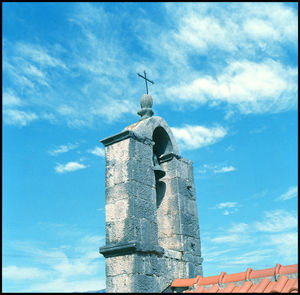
column 280, row 279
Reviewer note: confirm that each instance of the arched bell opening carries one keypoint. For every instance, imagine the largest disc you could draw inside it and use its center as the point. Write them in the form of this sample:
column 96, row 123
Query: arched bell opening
column 162, row 145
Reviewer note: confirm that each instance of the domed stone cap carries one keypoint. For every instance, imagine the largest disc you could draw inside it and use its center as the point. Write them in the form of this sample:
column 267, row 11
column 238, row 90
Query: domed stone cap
column 146, row 101
column 146, row 107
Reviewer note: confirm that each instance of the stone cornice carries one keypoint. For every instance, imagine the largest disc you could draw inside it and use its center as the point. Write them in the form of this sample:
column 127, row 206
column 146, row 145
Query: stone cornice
column 125, row 248
column 124, row 135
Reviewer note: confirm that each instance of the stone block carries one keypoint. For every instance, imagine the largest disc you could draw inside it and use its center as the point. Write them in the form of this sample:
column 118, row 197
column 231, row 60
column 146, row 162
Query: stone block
column 117, row 211
column 146, row 192
column 115, row 231
column 121, row 172
column 119, row 265
column 143, row 173
column 192, row 245
column 141, row 151
column 168, row 225
column 121, row 191
column 172, row 243
column 158, row 265
column 169, row 203
column 171, row 168
column 109, row 176
column 188, row 206
column 144, row 284
column 132, row 229
column 143, row 208
column 124, row 230
column 121, row 284
column 190, row 226
column 119, row 151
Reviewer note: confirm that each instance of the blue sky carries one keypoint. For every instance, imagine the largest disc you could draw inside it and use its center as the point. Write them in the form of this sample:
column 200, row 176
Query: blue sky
column 226, row 82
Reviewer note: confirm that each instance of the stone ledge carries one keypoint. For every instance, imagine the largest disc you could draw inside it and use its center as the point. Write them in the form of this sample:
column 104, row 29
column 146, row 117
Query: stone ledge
column 131, row 247
column 168, row 157
column 124, row 135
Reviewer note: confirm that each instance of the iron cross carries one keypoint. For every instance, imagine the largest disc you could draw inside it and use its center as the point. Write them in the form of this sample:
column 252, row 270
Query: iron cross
column 144, row 77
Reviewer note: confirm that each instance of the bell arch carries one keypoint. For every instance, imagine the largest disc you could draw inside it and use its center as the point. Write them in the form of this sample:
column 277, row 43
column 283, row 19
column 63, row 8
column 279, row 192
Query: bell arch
column 162, row 142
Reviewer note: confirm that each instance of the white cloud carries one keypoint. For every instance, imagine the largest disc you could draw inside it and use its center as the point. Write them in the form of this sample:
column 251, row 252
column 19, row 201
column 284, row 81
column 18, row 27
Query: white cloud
column 234, row 26
column 239, row 228
column 16, row 273
column 9, row 99
column 252, row 87
column 215, row 168
column 286, row 245
column 291, row 193
column 17, row 117
column 97, row 151
column 224, row 169
column 39, row 55
column 251, row 257
column 67, row 268
column 71, row 166
column 227, row 205
column 231, row 238
column 194, row 137
column 63, row 149
column 277, row 221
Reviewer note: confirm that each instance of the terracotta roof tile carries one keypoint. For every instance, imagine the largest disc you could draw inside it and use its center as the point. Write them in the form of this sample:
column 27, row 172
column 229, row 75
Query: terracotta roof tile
column 245, row 287
column 199, row 290
column 211, row 280
column 213, row 289
column 289, row 285
column 270, row 287
column 259, row 288
column 234, row 277
column 288, row 269
column 236, row 289
column 275, row 279
column 280, row 284
column 228, row 288
column 183, row 282
column 267, row 272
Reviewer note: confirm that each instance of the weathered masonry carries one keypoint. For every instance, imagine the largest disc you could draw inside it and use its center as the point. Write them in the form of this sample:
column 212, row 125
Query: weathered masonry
column 152, row 229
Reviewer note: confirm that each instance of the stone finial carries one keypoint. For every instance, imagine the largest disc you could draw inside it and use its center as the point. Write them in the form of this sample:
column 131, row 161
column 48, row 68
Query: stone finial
column 146, row 107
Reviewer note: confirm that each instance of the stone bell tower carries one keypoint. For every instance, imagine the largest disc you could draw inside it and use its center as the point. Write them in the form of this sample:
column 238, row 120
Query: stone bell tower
column 152, row 229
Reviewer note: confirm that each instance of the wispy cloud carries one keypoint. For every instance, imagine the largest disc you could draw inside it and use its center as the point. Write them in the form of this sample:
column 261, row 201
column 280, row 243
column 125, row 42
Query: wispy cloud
column 193, row 137
column 9, row 99
column 286, row 245
column 63, row 149
column 277, row 221
column 69, row 167
column 291, row 193
column 231, row 238
column 253, row 243
column 239, row 85
column 97, row 151
column 16, row 273
column 18, row 118
column 215, row 168
column 64, row 269
column 227, row 207
column 225, row 169
column 38, row 55
column 239, row 228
